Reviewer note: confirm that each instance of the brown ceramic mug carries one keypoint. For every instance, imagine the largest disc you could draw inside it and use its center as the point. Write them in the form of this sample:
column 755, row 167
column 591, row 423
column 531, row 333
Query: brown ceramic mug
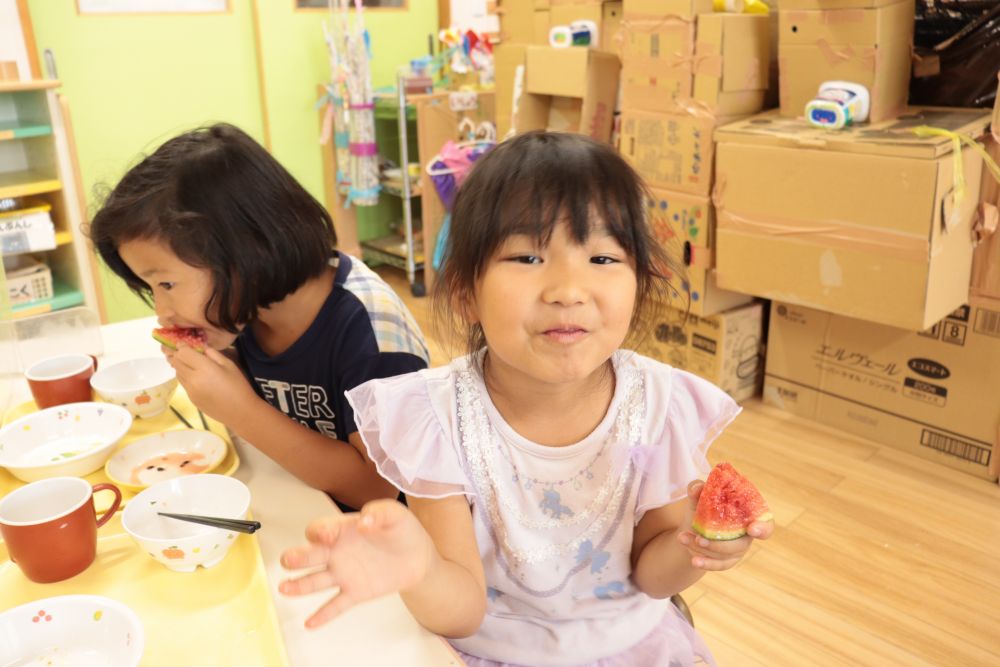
column 60, row 380
column 50, row 526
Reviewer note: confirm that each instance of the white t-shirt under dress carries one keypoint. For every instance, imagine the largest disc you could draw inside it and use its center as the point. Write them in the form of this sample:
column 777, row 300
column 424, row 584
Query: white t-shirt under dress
column 554, row 525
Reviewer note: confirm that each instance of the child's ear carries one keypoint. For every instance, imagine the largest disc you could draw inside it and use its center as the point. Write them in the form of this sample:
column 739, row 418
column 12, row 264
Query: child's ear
column 464, row 305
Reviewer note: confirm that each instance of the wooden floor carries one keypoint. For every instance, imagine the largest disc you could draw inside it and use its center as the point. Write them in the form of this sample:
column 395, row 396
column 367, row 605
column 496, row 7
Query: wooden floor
column 879, row 558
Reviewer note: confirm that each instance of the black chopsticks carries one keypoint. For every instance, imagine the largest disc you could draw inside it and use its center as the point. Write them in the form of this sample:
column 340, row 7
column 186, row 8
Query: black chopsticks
column 181, row 417
column 201, row 414
column 238, row 525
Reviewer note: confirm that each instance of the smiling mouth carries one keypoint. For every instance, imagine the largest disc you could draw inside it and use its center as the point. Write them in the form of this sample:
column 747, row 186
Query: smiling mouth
column 567, row 334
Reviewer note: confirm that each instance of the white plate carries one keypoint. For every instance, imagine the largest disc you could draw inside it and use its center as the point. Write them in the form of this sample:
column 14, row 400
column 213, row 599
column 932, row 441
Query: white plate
column 164, row 456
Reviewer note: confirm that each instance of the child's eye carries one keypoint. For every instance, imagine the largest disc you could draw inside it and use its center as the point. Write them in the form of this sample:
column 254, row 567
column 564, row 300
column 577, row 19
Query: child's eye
column 526, row 259
column 167, row 286
column 604, row 259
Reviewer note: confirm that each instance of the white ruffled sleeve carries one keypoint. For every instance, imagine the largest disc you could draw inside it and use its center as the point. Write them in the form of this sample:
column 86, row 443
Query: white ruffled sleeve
column 685, row 414
column 407, row 425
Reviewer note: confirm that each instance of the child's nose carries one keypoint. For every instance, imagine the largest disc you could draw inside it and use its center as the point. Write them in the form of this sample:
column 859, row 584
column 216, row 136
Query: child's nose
column 163, row 311
column 564, row 287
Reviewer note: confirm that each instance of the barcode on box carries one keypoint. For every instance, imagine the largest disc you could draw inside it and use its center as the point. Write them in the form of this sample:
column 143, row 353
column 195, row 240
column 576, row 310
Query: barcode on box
column 988, row 322
column 946, row 444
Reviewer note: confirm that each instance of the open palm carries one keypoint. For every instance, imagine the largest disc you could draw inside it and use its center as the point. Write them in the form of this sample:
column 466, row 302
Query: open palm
column 381, row 550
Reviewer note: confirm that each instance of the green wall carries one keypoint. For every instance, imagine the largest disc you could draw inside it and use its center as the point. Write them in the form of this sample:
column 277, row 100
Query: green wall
column 296, row 61
column 133, row 81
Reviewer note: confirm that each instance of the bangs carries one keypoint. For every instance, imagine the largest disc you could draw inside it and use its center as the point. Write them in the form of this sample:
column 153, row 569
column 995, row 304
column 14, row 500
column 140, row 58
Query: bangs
column 559, row 182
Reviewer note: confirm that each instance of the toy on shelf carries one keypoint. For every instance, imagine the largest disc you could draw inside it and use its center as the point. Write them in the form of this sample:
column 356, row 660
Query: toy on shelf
column 577, row 33
column 838, row 104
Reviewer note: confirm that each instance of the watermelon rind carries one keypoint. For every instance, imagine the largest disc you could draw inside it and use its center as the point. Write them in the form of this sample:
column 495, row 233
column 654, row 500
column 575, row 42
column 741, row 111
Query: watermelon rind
column 163, row 340
column 724, row 535
column 718, row 535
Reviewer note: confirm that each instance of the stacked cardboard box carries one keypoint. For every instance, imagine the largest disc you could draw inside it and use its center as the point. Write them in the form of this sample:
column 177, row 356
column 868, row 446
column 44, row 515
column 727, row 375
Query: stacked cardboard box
column 568, row 90
column 718, row 60
column 862, row 41
column 864, row 238
column 685, row 72
column 867, row 222
column 931, row 393
column 525, row 23
column 986, row 259
column 725, row 349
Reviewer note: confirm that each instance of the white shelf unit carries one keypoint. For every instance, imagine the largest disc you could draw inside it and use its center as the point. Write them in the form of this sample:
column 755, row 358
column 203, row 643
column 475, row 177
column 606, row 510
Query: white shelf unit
column 38, row 168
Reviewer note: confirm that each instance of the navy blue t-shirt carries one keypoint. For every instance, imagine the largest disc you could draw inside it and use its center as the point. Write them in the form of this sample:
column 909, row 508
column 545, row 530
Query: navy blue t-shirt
column 363, row 331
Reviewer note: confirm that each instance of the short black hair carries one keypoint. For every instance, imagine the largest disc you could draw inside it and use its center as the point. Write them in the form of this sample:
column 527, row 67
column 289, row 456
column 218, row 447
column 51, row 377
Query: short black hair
column 222, row 203
column 529, row 184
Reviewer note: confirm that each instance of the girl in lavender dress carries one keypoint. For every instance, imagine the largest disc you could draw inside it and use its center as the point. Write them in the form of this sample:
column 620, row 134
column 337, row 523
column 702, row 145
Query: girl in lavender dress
column 551, row 475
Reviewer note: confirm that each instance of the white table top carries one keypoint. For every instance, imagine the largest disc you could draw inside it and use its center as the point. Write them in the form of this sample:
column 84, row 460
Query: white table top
column 380, row 632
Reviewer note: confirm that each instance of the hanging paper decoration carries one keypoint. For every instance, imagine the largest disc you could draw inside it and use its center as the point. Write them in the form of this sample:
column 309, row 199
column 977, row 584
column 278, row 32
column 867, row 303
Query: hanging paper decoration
column 335, row 120
column 352, row 104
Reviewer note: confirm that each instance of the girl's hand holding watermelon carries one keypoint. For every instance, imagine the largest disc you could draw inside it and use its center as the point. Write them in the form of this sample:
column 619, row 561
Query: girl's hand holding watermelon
column 213, row 382
column 729, row 513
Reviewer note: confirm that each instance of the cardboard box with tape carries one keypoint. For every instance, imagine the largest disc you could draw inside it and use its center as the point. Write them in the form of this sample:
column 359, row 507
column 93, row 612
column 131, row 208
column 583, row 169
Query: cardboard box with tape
column 671, row 150
column 731, row 60
column 869, row 46
column 868, row 222
column 721, row 62
column 657, row 63
column 931, row 393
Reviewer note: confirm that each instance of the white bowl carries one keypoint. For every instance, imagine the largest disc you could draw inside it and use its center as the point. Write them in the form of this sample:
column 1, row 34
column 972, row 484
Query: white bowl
column 71, row 630
column 71, row 440
column 164, row 456
column 142, row 386
column 180, row 545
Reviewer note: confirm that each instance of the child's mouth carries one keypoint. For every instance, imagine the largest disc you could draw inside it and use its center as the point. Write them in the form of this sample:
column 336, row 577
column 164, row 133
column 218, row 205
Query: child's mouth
column 568, row 334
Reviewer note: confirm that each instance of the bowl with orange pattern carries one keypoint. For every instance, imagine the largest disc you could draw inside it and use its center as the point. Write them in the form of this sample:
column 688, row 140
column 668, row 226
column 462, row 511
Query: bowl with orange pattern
column 178, row 545
column 143, row 386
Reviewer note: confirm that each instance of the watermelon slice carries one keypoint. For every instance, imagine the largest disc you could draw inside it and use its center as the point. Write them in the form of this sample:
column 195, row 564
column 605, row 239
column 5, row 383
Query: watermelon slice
column 729, row 503
column 172, row 336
